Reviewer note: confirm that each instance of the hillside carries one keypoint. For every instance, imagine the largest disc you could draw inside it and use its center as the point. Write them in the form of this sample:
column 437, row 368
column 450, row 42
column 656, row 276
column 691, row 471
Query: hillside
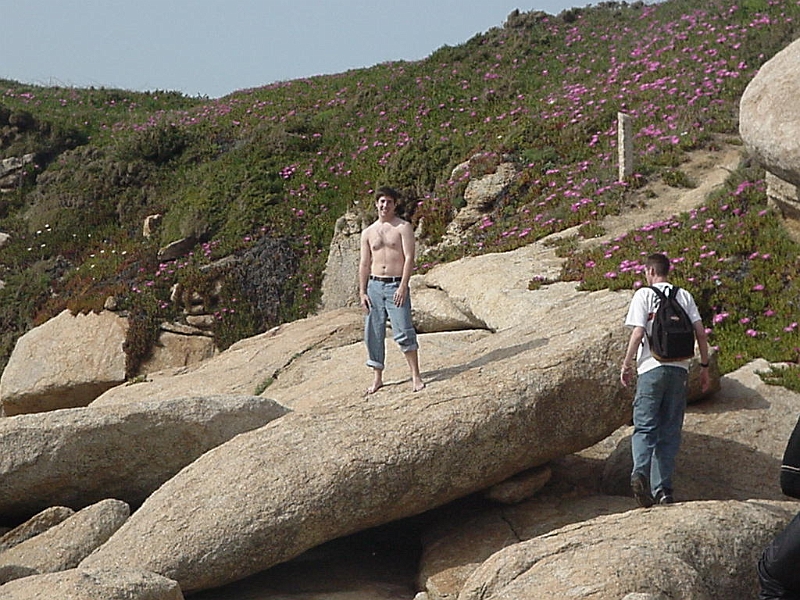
column 269, row 170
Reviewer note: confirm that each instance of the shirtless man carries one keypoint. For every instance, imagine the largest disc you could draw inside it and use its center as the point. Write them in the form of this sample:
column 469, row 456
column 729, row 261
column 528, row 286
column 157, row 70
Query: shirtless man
column 387, row 259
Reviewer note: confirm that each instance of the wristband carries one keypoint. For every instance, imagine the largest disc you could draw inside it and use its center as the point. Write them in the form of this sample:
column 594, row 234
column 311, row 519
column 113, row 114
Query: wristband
column 704, row 365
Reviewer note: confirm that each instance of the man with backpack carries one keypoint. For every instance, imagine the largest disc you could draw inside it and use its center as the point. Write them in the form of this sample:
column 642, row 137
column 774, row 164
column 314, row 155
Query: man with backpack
column 665, row 323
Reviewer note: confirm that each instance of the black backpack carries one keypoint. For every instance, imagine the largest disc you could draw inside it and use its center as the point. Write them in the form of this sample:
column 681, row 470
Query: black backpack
column 672, row 338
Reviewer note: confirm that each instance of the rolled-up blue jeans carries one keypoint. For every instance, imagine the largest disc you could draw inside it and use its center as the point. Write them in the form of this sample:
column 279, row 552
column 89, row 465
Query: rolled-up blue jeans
column 382, row 306
column 658, row 409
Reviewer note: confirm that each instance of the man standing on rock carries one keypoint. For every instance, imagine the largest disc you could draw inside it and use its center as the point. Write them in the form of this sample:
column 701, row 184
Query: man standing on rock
column 661, row 388
column 387, row 260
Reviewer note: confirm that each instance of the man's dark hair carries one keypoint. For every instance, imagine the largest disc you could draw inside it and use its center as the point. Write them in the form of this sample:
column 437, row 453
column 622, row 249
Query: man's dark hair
column 392, row 193
column 385, row 190
column 660, row 264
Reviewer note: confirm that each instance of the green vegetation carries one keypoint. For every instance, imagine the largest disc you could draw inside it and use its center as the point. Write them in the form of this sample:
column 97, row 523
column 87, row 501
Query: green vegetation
column 262, row 175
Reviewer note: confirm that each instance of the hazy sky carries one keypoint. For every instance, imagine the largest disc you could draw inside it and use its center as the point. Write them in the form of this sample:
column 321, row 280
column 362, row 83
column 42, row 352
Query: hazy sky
column 214, row 47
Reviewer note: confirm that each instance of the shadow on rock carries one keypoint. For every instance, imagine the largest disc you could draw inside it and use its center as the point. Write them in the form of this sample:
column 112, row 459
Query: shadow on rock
column 708, row 468
column 490, row 357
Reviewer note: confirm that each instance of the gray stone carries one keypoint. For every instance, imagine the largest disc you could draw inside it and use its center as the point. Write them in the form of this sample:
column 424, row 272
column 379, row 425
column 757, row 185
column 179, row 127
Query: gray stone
column 177, row 249
column 433, row 311
column 35, row 525
column 65, row 545
column 178, row 350
column 461, row 539
column 697, row 551
column 64, row 363
column 84, row 584
column 340, row 284
column 769, row 118
column 520, row 487
column 79, row 456
column 340, row 464
column 249, row 365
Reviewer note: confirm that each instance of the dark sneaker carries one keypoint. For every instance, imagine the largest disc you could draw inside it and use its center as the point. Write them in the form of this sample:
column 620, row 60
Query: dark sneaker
column 664, row 497
column 641, row 490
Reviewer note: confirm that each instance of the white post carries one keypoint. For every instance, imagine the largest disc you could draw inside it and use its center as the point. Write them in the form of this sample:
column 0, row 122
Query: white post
column 624, row 145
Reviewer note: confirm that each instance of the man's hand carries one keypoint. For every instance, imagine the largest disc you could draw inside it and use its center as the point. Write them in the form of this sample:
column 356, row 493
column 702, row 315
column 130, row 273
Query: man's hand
column 365, row 302
column 705, row 380
column 400, row 295
column 625, row 374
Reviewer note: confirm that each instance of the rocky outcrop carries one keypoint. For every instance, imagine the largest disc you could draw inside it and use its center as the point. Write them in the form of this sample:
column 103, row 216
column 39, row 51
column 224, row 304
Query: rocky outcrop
column 340, row 284
column 433, row 311
column 503, row 403
column 65, row 545
column 64, row 363
column 37, row 524
column 683, row 551
column 79, row 456
column 527, row 379
column 178, row 347
column 461, row 538
column 744, row 424
column 249, row 366
column 12, row 171
column 487, row 178
column 177, row 249
column 72, row 359
column 768, row 123
column 80, row 584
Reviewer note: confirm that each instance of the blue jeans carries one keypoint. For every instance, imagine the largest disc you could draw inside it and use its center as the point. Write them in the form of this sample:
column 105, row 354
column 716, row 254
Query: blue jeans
column 658, row 410
column 382, row 306
column 777, row 567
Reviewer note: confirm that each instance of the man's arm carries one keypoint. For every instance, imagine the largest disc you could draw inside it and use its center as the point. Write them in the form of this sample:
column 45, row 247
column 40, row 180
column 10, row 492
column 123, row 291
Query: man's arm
column 407, row 242
column 637, row 335
column 702, row 345
column 364, row 268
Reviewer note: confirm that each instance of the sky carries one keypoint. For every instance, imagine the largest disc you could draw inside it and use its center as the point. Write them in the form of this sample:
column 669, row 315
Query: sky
column 215, row 47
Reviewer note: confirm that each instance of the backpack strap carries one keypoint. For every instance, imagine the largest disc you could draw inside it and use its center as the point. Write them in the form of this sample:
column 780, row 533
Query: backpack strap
column 671, row 293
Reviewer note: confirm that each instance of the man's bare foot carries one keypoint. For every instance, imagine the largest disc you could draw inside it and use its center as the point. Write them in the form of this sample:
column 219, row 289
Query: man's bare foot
column 419, row 386
column 373, row 388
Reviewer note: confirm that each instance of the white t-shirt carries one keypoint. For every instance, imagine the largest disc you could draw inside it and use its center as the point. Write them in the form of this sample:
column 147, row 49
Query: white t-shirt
column 640, row 314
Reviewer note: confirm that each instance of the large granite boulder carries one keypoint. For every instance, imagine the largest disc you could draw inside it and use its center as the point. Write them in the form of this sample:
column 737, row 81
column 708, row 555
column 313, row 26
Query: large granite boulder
column 340, row 284
column 80, row 584
column 250, row 365
column 37, row 524
column 500, row 404
column 698, row 551
column 66, row 362
column 65, row 545
column 462, row 537
column 178, row 347
column 743, row 424
column 71, row 359
column 79, row 456
column 769, row 116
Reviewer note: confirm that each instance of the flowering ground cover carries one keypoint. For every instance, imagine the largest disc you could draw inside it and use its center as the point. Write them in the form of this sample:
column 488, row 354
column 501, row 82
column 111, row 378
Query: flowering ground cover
column 287, row 159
